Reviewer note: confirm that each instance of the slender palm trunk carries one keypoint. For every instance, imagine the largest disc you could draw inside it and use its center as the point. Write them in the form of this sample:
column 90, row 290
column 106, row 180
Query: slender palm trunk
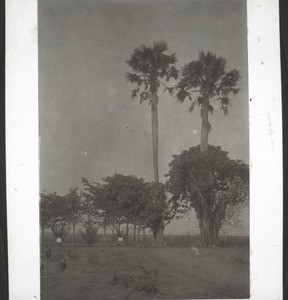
column 154, row 117
column 204, row 127
column 159, row 236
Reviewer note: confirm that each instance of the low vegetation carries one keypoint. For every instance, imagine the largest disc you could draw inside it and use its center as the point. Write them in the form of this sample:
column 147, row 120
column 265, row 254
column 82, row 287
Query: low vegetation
column 123, row 273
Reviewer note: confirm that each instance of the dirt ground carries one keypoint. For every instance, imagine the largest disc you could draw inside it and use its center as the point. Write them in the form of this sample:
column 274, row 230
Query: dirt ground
column 107, row 273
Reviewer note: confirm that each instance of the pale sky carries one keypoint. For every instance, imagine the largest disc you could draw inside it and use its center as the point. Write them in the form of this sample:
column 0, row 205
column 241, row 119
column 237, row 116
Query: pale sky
column 89, row 126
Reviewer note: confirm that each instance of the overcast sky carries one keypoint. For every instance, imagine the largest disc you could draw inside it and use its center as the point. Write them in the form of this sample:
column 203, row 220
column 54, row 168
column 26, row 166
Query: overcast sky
column 89, row 126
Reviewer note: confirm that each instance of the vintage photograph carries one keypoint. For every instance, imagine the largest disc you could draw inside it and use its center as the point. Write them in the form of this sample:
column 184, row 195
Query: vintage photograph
column 144, row 149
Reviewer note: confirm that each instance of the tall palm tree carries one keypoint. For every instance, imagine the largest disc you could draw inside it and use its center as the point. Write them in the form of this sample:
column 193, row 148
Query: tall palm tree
column 151, row 67
column 206, row 80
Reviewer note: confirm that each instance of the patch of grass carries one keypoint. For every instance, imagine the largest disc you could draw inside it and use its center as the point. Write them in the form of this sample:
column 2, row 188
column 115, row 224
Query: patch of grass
column 72, row 254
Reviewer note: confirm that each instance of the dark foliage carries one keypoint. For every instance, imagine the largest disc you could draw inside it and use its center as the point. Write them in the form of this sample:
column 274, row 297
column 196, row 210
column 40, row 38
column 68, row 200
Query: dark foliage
column 208, row 182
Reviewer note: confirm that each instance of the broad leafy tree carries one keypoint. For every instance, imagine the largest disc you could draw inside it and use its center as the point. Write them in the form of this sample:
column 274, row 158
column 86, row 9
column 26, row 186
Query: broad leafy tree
column 152, row 68
column 126, row 194
column 208, row 182
column 56, row 214
column 204, row 82
column 94, row 191
column 46, row 200
column 92, row 216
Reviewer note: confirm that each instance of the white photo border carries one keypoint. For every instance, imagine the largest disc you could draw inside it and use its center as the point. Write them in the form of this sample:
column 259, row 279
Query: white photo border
column 22, row 149
column 265, row 130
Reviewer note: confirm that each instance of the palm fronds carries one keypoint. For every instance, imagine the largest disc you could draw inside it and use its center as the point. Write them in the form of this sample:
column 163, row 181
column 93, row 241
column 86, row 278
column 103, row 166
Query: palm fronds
column 207, row 77
column 150, row 64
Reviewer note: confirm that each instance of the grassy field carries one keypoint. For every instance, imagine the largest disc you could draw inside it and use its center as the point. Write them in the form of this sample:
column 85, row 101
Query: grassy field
column 120, row 273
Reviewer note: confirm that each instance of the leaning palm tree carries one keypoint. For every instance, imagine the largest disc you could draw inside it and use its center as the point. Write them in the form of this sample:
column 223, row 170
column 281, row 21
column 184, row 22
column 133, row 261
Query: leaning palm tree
column 150, row 68
column 206, row 80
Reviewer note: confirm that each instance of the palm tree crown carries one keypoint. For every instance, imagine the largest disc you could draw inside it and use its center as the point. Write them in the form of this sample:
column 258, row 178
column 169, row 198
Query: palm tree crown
column 206, row 80
column 150, row 65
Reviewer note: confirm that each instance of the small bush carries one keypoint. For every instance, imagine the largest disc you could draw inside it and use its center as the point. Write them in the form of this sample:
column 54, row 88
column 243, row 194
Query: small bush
column 89, row 235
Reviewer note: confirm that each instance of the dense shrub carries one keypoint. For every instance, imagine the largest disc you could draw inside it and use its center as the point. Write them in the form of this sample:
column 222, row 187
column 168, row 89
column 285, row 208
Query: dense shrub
column 89, row 234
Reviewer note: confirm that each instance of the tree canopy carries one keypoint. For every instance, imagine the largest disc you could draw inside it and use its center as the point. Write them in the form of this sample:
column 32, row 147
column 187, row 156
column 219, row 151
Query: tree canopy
column 150, row 64
column 207, row 77
column 203, row 81
column 57, row 213
column 207, row 182
column 126, row 194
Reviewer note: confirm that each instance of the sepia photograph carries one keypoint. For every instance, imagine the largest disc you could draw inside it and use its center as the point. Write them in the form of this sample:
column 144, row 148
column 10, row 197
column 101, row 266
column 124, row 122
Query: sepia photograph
column 144, row 149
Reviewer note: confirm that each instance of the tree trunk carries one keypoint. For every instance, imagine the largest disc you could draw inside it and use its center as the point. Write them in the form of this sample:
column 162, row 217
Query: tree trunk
column 144, row 236
column 204, row 230
column 154, row 239
column 127, row 232
column 134, row 234
column 159, row 240
column 62, row 233
column 74, row 225
column 105, row 240
column 113, row 231
column 138, row 233
column 154, row 117
column 159, row 236
column 204, row 127
column 119, row 230
column 209, row 230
